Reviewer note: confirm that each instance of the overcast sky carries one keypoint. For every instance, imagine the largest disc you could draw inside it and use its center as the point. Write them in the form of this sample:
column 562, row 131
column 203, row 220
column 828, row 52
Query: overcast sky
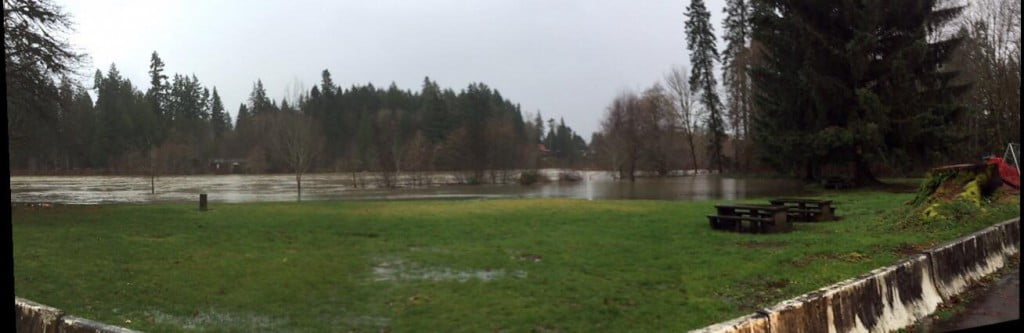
column 565, row 58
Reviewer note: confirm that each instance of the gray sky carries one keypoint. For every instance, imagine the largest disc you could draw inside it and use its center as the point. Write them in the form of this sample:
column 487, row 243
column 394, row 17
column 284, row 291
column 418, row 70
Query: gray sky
column 565, row 58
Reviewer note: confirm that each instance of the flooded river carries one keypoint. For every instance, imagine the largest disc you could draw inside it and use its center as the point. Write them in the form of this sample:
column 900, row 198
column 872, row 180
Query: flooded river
column 339, row 186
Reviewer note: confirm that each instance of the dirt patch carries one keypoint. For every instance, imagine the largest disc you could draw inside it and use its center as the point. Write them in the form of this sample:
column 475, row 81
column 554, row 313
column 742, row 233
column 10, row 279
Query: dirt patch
column 755, row 293
column 360, row 234
column 907, row 249
column 852, row 257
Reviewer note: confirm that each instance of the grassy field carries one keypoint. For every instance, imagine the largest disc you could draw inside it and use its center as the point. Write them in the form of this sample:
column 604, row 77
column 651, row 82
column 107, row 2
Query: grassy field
column 481, row 265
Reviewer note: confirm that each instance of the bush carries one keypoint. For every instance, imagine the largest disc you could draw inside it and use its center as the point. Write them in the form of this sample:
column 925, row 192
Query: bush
column 529, row 177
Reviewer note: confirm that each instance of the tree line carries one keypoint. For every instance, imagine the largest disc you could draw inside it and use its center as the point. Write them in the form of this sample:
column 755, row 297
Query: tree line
column 178, row 126
column 816, row 89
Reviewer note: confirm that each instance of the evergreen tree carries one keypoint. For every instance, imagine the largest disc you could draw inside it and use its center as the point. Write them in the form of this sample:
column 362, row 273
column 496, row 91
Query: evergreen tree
column 259, row 103
column 34, row 53
column 434, row 111
column 220, row 120
column 242, row 117
column 327, row 87
column 850, row 82
column 124, row 118
column 158, row 89
column 700, row 40
column 736, row 61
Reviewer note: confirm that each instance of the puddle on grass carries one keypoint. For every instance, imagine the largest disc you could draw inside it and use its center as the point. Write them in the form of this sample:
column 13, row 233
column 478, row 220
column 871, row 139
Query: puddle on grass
column 428, row 249
column 399, row 270
column 212, row 319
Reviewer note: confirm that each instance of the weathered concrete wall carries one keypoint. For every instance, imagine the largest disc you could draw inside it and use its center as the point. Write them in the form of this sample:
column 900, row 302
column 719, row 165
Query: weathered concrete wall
column 756, row 322
column 32, row 317
column 72, row 324
column 891, row 297
column 958, row 264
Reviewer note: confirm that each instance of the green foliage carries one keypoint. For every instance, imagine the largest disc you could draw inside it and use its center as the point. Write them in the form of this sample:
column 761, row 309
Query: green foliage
column 564, row 143
column 931, row 182
column 856, row 82
column 952, row 214
column 954, row 195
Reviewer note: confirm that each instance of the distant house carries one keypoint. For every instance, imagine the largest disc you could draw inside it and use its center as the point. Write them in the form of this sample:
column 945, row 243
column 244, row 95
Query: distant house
column 543, row 150
column 223, row 166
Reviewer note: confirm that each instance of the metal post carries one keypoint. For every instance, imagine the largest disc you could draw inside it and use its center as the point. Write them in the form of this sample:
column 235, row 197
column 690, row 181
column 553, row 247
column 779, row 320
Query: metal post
column 202, row 202
column 1013, row 153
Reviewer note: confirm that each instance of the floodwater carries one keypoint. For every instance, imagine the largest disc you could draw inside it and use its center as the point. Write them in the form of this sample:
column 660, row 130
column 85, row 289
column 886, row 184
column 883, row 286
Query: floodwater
column 340, row 186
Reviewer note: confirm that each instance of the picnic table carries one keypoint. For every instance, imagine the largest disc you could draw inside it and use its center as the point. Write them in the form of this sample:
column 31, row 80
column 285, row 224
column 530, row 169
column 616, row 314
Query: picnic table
column 807, row 210
column 750, row 218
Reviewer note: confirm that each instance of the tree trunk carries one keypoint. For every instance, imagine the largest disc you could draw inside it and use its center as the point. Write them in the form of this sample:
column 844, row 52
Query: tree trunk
column 862, row 174
column 693, row 153
column 298, row 184
column 632, row 170
column 152, row 173
column 736, row 151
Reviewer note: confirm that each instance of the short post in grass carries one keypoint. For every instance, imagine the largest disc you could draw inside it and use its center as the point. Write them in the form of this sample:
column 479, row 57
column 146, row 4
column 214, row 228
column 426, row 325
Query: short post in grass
column 202, row 202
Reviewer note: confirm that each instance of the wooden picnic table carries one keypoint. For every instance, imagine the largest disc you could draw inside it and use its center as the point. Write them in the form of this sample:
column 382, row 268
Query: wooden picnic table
column 759, row 218
column 807, row 210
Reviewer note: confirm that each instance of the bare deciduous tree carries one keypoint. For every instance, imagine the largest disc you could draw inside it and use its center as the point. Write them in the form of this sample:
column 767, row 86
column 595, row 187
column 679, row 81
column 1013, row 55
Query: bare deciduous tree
column 623, row 137
column 990, row 61
column 417, row 156
column 678, row 83
column 389, row 153
column 657, row 119
column 296, row 141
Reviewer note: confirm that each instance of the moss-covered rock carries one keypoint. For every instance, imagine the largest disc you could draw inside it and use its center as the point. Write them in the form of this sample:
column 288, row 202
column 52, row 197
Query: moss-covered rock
column 971, row 183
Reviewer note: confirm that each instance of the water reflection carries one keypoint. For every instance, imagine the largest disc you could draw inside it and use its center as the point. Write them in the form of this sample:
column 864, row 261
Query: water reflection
column 246, row 188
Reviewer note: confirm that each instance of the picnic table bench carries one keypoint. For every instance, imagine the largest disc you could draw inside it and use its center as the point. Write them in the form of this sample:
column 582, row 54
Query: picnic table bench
column 758, row 218
column 807, row 210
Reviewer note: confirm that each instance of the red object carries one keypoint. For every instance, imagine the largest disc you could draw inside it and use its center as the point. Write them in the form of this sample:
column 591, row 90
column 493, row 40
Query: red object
column 1007, row 172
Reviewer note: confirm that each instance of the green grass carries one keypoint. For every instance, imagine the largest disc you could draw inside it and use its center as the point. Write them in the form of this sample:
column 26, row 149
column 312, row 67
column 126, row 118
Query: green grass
column 482, row 265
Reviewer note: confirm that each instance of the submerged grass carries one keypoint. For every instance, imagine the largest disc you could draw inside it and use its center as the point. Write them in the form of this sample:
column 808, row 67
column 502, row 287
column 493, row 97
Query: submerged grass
column 490, row 265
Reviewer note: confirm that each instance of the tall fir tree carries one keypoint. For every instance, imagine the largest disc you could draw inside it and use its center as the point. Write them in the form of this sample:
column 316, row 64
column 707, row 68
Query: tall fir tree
column 157, row 95
column 219, row 119
column 433, row 110
column 259, row 103
column 853, row 83
column 700, row 40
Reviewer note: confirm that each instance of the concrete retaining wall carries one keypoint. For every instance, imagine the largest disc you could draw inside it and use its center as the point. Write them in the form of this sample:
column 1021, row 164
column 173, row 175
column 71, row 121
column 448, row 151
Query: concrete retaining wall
column 891, row 297
column 32, row 317
column 960, row 263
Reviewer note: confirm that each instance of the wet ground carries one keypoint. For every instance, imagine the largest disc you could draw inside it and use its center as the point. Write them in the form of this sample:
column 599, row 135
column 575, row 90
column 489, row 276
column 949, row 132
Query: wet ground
column 341, row 186
column 995, row 302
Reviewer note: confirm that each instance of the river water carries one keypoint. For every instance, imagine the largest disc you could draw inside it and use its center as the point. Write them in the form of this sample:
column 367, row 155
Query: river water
column 339, row 186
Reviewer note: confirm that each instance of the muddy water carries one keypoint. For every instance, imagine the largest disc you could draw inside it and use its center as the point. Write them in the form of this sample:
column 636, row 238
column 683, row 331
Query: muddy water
column 248, row 188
